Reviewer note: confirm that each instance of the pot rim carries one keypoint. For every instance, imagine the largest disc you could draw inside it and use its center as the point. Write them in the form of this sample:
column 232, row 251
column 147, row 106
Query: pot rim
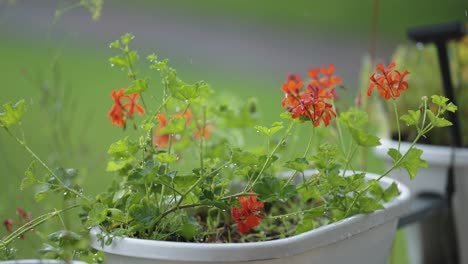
column 263, row 250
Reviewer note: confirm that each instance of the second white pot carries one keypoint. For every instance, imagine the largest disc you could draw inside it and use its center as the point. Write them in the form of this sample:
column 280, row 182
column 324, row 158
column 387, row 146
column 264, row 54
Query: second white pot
column 434, row 179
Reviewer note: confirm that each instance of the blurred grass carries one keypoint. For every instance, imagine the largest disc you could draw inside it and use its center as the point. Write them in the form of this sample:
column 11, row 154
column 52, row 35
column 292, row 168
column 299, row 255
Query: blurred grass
column 332, row 16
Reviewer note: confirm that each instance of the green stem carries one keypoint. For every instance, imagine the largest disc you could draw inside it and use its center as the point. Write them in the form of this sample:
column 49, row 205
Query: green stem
column 31, row 225
column 421, row 132
column 397, row 124
column 249, row 186
column 43, row 164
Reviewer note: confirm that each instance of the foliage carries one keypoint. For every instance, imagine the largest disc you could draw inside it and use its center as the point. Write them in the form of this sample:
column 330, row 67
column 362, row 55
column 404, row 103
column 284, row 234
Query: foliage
column 185, row 177
column 422, row 61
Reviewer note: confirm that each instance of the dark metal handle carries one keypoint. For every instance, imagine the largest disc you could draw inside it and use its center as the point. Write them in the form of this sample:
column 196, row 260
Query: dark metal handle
column 439, row 33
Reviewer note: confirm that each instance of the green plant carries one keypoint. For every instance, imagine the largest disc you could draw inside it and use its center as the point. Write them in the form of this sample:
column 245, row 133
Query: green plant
column 184, row 173
column 422, row 61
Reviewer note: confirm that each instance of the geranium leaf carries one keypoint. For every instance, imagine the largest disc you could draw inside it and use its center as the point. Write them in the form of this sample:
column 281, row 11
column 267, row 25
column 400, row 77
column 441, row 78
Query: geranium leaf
column 123, row 148
column 369, row 205
column 138, row 86
column 165, row 157
column 307, row 222
column 411, row 162
column 364, row 139
column 356, row 122
column 64, row 236
column 298, row 164
column 412, row 118
column 11, row 114
column 438, row 121
column 188, row 230
column 391, row 192
column 127, row 38
column 119, row 61
column 29, row 178
column 271, row 188
column 144, row 213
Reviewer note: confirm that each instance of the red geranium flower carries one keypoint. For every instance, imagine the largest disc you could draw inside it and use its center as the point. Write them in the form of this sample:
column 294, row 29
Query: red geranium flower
column 132, row 105
column 117, row 111
column 248, row 215
column 8, row 223
column 120, row 111
column 311, row 104
column 162, row 140
column 389, row 82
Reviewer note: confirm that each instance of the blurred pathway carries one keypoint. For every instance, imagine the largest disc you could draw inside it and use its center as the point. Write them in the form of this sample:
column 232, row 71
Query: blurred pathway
column 232, row 46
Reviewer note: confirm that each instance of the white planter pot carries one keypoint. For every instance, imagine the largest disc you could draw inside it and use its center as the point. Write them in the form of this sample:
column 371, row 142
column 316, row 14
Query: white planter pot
column 40, row 261
column 344, row 241
column 434, row 179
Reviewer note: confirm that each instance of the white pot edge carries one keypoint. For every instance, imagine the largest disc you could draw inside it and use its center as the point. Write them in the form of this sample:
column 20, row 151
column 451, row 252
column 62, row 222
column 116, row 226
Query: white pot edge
column 233, row 252
column 437, row 155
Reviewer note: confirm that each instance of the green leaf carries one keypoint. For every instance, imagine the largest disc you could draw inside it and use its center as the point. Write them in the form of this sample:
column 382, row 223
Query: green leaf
column 152, row 57
column 336, row 180
column 116, row 165
column 64, row 236
column 118, row 60
column 271, row 189
column 165, row 157
column 411, row 162
column 183, row 183
column 298, row 164
column 115, row 45
column 159, row 65
column 144, row 214
column 327, row 157
column 127, row 38
column 118, row 195
column 186, row 91
column 275, row 127
column 311, row 192
column 123, row 148
column 451, row 108
column 375, row 189
column 41, row 192
column 438, row 121
column 188, row 230
column 412, row 118
column 307, row 222
column 138, row 86
column 174, row 126
column 97, row 214
column 242, row 157
column 12, row 114
column 116, row 215
column 391, row 192
column 363, row 138
column 369, row 205
column 356, row 122
column 132, row 57
column 29, row 178
column 439, row 100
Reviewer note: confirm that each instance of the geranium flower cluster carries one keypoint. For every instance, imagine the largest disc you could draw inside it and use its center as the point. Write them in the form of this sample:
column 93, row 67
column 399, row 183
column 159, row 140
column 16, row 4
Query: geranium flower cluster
column 23, row 218
column 389, row 82
column 313, row 102
column 248, row 215
column 121, row 111
column 161, row 139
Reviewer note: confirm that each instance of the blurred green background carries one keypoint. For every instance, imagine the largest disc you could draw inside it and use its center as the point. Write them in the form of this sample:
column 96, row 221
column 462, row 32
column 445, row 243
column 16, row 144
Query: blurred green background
column 241, row 47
